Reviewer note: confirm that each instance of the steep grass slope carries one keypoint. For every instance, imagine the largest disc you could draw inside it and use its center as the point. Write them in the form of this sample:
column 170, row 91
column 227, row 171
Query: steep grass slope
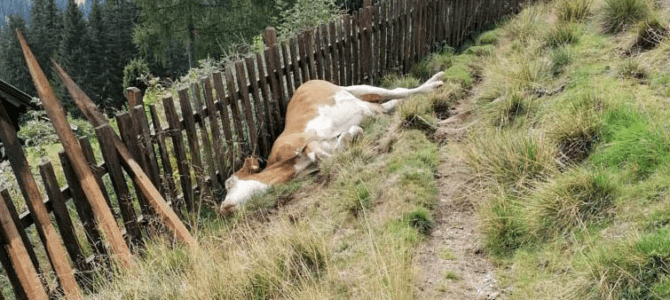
column 574, row 150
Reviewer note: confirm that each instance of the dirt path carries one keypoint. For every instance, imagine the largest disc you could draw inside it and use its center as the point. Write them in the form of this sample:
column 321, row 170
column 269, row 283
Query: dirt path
column 451, row 263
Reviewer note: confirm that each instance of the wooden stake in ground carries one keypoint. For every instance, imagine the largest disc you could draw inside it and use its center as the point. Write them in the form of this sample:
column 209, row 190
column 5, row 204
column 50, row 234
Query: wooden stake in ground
column 23, row 266
column 31, row 193
column 95, row 117
column 73, row 150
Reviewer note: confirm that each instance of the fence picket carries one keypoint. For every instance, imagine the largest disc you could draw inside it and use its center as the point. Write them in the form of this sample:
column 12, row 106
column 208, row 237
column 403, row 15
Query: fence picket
column 64, row 222
column 225, row 118
column 84, row 210
column 123, row 197
column 175, row 129
column 318, row 53
column 271, row 116
column 22, row 232
column 193, row 143
column 204, row 135
column 167, row 181
column 286, row 58
column 335, row 53
column 98, row 171
column 326, row 53
column 129, row 134
column 258, row 108
column 241, row 76
column 214, row 127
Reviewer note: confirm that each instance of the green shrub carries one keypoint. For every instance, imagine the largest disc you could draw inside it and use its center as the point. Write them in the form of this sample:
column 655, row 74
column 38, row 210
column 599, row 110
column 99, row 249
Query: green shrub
column 576, row 127
column 619, row 14
column 304, row 14
column 488, row 38
column 395, row 80
column 132, row 73
column 504, row 111
column 574, row 10
column 356, row 198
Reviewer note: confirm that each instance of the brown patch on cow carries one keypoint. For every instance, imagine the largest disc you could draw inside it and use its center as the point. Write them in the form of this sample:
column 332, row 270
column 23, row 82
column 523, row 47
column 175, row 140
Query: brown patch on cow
column 302, row 108
column 371, row 98
column 251, row 166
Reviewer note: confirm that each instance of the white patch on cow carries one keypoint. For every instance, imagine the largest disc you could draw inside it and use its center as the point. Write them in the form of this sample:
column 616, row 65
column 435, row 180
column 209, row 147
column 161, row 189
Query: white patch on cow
column 334, row 120
column 240, row 191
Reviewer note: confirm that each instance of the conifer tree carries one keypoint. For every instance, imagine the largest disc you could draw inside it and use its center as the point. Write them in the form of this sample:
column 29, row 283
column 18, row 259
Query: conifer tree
column 74, row 49
column 13, row 67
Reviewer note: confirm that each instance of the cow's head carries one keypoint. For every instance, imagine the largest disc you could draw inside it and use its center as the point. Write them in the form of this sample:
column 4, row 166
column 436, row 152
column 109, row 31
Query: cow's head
column 248, row 181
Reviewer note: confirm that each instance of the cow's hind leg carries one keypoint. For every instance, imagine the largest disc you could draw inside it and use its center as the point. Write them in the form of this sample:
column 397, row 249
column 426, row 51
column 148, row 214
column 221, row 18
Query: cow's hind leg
column 377, row 94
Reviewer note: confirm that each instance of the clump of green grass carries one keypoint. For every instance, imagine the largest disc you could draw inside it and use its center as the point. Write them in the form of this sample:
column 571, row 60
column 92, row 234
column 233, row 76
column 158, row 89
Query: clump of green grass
column 632, row 142
column 525, row 26
column 504, row 225
column 560, row 58
column 635, row 269
column 649, row 34
column 506, row 110
column 447, row 254
column 576, row 127
column 489, row 37
column 417, row 113
column 421, row 220
column 482, row 50
column 631, row 68
column 617, row 15
column 356, row 198
column 576, row 198
column 395, row 80
column 562, row 34
column 452, row 275
column 574, row 10
column 513, row 159
column 436, row 62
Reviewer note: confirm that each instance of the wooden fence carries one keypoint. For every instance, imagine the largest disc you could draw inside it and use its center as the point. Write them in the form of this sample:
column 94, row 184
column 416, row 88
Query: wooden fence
column 225, row 117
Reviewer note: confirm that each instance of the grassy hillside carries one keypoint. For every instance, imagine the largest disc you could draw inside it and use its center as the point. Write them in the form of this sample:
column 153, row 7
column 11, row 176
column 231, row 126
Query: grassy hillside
column 574, row 150
column 570, row 158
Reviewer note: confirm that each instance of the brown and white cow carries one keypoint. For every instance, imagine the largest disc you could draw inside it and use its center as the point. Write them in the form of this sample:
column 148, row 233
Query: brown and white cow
column 321, row 118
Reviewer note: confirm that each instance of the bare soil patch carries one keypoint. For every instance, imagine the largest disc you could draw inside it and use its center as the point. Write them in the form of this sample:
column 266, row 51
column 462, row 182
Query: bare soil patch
column 451, row 263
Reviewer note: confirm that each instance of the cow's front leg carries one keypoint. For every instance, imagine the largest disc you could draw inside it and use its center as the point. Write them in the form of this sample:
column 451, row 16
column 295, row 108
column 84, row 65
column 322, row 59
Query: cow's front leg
column 377, row 94
column 346, row 138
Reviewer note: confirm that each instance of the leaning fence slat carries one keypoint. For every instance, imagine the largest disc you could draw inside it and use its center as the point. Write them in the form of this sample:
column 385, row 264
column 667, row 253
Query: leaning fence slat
column 145, row 143
column 326, row 53
column 346, row 38
column 158, row 203
column 167, row 184
column 286, row 58
column 225, row 118
column 98, row 171
column 366, row 46
column 276, row 101
column 93, row 194
column 26, row 275
column 355, row 50
column 217, row 138
column 335, row 53
column 207, row 145
column 6, row 263
column 123, row 197
column 295, row 64
column 192, row 138
column 65, row 226
column 260, row 117
column 233, row 103
column 318, row 53
column 128, row 132
column 37, row 209
column 180, row 151
column 84, row 210
column 270, row 115
column 242, row 84
column 26, row 241
column 302, row 51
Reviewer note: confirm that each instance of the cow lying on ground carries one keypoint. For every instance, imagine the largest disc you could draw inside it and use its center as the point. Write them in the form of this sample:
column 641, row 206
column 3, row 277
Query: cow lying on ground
column 321, row 118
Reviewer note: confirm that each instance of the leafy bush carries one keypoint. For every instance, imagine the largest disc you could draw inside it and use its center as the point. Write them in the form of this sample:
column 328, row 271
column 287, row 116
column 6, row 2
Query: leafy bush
column 132, row 72
column 304, row 14
column 619, row 14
